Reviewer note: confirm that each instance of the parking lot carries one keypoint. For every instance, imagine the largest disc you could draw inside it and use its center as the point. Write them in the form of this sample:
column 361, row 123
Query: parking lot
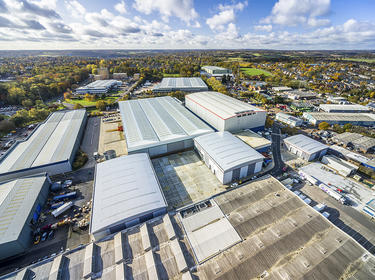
column 185, row 179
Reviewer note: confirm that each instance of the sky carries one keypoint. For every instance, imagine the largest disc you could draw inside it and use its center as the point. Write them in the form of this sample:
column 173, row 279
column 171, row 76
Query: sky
column 187, row 24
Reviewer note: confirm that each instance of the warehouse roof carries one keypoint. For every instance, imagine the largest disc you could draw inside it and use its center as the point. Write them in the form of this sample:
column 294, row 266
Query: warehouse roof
column 214, row 67
column 349, row 154
column 191, row 83
column 51, row 142
column 153, row 121
column 227, row 150
column 221, row 105
column 357, row 117
column 17, row 198
column 124, row 188
column 289, row 117
column 346, row 107
column 100, row 84
column 305, row 143
column 346, row 137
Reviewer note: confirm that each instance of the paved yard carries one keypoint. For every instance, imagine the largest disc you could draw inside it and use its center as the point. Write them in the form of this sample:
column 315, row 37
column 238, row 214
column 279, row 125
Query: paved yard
column 185, row 179
column 112, row 139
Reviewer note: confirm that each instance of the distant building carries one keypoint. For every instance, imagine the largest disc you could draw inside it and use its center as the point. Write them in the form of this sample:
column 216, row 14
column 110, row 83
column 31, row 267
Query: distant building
column 21, row 202
column 305, row 147
column 346, row 108
column 281, row 89
column 224, row 112
column 192, row 84
column 216, row 71
column 337, row 100
column 99, row 87
column 104, row 73
column 298, row 94
column 136, row 76
column 256, row 85
column 360, row 119
column 229, row 158
column 301, row 106
column 289, row 120
column 119, row 76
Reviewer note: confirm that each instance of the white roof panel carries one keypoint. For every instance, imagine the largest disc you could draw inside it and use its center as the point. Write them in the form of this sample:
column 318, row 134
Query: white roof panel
column 125, row 187
column 340, row 107
column 305, row 143
column 227, row 150
column 222, row 105
column 190, row 83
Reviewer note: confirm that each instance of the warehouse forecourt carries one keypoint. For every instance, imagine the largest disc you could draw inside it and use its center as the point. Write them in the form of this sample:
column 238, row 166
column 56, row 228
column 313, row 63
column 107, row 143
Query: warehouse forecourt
column 126, row 193
column 228, row 157
column 224, row 112
column 159, row 126
column 190, row 84
column 21, row 201
column 50, row 148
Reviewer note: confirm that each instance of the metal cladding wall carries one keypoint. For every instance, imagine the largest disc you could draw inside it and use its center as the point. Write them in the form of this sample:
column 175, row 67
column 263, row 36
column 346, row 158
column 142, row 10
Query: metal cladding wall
column 78, row 141
column 24, row 240
column 255, row 121
column 165, row 149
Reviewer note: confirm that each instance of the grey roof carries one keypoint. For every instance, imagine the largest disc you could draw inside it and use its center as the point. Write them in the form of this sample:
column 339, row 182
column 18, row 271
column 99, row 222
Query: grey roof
column 222, row 105
column 17, row 198
column 346, row 107
column 227, row 150
column 212, row 67
column 288, row 117
column 305, row 143
column 124, row 188
column 192, row 83
column 99, row 84
column 154, row 121
column 357, row 117
column 52, row 141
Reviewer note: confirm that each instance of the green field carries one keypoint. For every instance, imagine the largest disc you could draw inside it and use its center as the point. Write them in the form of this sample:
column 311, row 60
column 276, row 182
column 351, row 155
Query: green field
column 86, row 103
column 166, row 75
column 255, row 72
column 368, row 60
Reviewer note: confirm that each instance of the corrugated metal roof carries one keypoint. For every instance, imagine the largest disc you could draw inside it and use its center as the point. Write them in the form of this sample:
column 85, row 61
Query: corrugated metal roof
column 220, row 104
column 305, row 143
column 227, row 150
column 181, row 83
column 124, row 187
column 52, row 141
column 355, row 117
column 17, row 198
column 100, row 84
column 345, row 107
column 150, row 122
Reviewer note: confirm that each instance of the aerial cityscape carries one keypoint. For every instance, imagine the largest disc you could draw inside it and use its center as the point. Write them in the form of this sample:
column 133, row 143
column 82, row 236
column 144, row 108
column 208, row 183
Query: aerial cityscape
column 182, row 139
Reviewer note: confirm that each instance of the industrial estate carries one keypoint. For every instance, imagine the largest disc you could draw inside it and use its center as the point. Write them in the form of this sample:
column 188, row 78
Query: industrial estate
column 204, row 176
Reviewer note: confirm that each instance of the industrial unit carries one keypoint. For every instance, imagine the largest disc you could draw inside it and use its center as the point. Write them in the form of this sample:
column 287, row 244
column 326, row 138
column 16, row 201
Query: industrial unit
column 224, row 112
column 99, row 87
column 298, row 94
column 361, row 119
column 50, row 148
column 344, row 108
column 357, row 141
column 216, row 71
column 305, row 147
column 190, row 84
column 229, row 158
column 126, row 192
column 289, row 120
column 21, row 201
column 159, row 126
column 343, row 167
column 348, row 155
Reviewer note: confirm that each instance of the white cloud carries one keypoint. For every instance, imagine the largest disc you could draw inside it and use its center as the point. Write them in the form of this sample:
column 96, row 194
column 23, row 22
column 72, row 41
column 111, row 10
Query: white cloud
column 182, row 9
column 75, row 8
column 120, row 7
column 266, row 27
column 295, row 12
column 225, row 16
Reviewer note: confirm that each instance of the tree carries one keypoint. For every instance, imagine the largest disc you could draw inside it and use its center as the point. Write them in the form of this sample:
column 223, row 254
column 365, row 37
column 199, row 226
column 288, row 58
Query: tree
column 77, row 106
column 27, row 103
column 323, row 126
column 347, row 126
column 7, row 126
column 67, row 95
column 100, row 105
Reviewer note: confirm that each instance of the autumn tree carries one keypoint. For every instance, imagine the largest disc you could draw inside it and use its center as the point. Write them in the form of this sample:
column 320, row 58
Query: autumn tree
column 323, row 126
column 101, row 105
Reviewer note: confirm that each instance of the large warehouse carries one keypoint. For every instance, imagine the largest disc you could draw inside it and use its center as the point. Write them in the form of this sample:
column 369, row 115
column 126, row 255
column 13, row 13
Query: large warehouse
column 216, row 71
column 289, row 120
column 228, row 157
column 99, row 87
column 126, row 193
column 50, row 148
column 361, row 119
column 224, row 112
column 344, row 108
column 180, row 84
column 305, row 147
column 159, row 126
column 21, row 201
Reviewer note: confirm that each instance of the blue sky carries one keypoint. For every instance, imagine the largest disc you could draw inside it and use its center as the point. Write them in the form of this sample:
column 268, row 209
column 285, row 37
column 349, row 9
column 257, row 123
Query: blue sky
column 185, row 24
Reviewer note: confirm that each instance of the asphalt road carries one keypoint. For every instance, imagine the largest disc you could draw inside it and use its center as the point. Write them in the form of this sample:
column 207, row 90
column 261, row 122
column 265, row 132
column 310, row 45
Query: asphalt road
column 276, row 153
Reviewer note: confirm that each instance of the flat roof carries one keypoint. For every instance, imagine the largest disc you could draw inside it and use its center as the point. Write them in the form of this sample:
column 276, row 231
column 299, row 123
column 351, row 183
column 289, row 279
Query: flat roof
column 357, row 117
column 17, row 198
column 99, row 84
column 305, row 143
column 155, row 121
column 181, row 83
column 124, row 188
column 212, row 67
column 349, row 107
column 52, row 141
column 227, row 150
column 302, row 93
column 349, row 154
column 253, row 139
column 222, row 105
column 289, row 117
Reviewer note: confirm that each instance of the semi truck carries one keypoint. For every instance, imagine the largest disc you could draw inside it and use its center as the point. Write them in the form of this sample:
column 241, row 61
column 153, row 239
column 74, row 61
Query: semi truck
column 65, row 196
column 333, row 193
column 62, row 209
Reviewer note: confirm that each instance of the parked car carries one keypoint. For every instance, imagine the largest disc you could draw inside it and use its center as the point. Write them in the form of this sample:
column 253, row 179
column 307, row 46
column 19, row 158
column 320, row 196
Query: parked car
column 326, row 214
column 36, row 239
column 51, row 234
column 44, row 236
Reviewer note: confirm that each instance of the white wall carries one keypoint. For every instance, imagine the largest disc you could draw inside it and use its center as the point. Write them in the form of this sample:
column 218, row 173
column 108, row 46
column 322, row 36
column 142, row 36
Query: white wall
column 258, row 167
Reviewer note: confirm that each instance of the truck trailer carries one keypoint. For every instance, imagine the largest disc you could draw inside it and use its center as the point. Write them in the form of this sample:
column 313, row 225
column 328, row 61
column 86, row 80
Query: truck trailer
column 62, row 209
